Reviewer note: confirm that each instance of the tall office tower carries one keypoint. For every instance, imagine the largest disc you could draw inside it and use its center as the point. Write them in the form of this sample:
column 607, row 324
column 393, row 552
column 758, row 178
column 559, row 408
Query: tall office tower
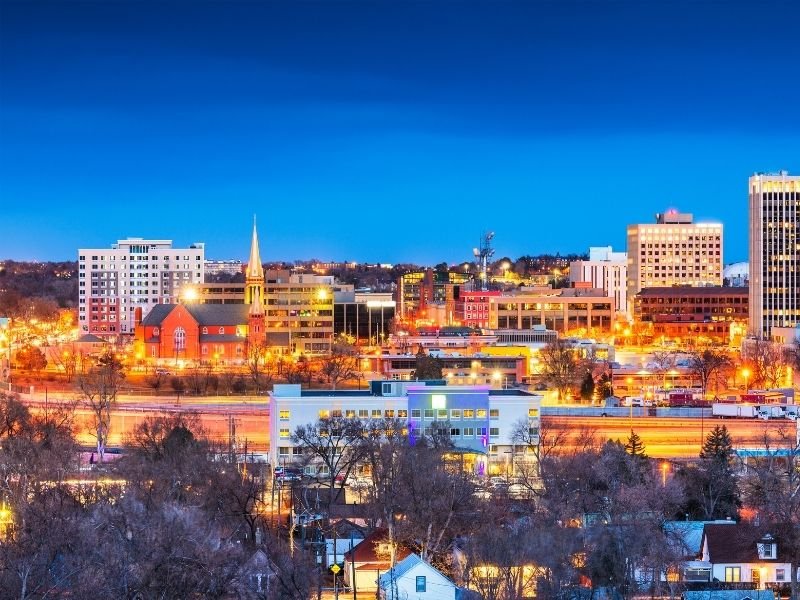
column 133, row 273
column 606, row 270
column 673, row 251
column 774, row 252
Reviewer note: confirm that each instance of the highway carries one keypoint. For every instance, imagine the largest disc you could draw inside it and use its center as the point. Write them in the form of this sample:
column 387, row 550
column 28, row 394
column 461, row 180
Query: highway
column 670, row 437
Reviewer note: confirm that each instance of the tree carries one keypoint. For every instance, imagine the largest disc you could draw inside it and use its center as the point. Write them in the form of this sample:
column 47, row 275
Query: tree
column 30, row 358
column 427, row 367
column 259, row 361
column 605, row 385
column 587, row 387
column 634, row 446
column 99, row 389
column 712, row 490
column 561, row 367
column 704, row 364
column 342, row 363
column 767, row 360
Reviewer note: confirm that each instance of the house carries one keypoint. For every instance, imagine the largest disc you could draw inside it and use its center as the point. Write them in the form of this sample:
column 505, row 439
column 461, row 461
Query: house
column 414, row 579
column 686, row 540
column 740, row 554
column 348, row 536
column 364, row 563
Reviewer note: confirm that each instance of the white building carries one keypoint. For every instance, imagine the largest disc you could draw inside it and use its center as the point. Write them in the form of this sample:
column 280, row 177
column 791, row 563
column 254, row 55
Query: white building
column 481, row 420
column 606, row 270
column 673, row 251
column 774, row 253
column 414, row 579
column 133, row 274
column 229, row 267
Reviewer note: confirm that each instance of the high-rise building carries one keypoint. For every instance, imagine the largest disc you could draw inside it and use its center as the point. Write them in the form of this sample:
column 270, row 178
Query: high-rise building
column 133, row 273
column 606, row 270
column 673, row 251
column 774, row 252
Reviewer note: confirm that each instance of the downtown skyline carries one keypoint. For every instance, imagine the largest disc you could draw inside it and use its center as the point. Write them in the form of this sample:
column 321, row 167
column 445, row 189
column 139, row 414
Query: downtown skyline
column 385, row 132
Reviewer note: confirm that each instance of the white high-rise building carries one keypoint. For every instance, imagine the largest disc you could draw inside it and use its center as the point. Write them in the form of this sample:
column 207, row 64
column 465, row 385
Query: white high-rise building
column 673, row 251
column 774, row 252
column 606, row 270
column 133, row 273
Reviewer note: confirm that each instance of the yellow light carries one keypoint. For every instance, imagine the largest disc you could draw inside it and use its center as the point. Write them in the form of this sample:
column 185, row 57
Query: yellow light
column 190, row 294
column 438, row 401
column 322, row 294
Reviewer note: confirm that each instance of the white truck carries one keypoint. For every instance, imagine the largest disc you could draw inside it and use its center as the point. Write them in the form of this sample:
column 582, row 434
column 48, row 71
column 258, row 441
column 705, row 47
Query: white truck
column 728, row 410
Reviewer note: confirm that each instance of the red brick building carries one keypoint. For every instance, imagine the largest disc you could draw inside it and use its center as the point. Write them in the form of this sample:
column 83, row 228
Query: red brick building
column 472, row 308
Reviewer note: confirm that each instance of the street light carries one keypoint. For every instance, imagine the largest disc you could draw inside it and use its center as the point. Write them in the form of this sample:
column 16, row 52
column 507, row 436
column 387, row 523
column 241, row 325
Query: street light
column 746, row 375
column 664, row 469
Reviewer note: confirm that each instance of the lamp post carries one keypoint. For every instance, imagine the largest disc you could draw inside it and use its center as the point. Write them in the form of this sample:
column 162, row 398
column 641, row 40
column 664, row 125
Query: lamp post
column 664, row 469
column 746, row 375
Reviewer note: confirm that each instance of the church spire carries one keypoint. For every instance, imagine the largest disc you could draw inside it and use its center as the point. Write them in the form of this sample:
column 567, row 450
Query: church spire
column 254, row 277
column 254, row 268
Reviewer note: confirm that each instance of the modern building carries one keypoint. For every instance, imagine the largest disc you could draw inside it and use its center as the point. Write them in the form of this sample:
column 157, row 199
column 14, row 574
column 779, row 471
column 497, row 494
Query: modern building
column 563, row 310
column 673, row 251
column 299, row 311
column 717, row 313
column 223, row 267
column 774, row 252
column 470, row 368
column 366, row 316
column 606, row 270
column 134, row 273
column 480, row 420
column 417, row 292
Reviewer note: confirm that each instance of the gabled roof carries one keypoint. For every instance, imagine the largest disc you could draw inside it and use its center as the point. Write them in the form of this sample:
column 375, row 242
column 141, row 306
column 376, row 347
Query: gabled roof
column 687, row 536
column 367, row 551
column 403, row 567
column 158, row 313
column 734, row 544
column 89, row 338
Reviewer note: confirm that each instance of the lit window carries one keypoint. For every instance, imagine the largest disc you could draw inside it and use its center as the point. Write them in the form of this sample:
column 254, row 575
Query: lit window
column 438, row 401
column 283, row 415
column 284, row 434
column 421, row 584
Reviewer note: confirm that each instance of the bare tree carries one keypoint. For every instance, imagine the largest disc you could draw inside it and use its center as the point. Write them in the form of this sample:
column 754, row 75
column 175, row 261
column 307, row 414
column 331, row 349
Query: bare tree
column 99, row 387
column 768, row 361
column 561, row 367
column 341, row 364
column 259, row 365
column 704, row 364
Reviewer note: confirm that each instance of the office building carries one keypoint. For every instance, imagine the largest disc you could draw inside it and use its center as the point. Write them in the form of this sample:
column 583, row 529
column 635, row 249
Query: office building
column 606, row 270
column 565, row 311
column 430, row 295
column 774, row 252
column 133, row 274
column 673, row 251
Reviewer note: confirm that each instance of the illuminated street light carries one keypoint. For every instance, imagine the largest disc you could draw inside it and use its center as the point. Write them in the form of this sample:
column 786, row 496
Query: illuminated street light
column 746, row 375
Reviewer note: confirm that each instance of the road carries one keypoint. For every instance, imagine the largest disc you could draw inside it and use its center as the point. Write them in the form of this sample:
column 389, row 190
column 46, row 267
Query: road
column 671, row 437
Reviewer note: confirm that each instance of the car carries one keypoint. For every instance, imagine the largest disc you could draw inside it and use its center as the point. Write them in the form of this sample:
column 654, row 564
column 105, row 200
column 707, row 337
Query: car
column 163, row 372
column 287, row 474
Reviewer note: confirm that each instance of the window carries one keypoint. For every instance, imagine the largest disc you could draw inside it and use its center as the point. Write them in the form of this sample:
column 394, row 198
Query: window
column 780, row 574
column 494, row 432
column 481, row 413
column 386, row 388
column 469, row 413
column 494, row 413
column 421, row 583
column 455, row 432
column 389, row 414
column 428, row 413
column 363, row 413
column 441, row 414
column 350, row 413
column 733, row 574
column 283, row 450
column 533, row 412
column 283, row 415
column 337, row 413
column 481, row 431
column 205, row 330
column 221, row 330
column 455, row 413
column 284, row 433
column 469, row 431
column 415, row 413
column 324, row 414
column 180, row 339
column 768, row 551
column 402, row 414
column 376, row 413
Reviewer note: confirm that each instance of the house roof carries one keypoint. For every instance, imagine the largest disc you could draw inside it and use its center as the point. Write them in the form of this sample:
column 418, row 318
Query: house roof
column 730, row 595
column 89, row 338
column 733, row 544
column 367, row 551
column 688, row 535
column 403, row 567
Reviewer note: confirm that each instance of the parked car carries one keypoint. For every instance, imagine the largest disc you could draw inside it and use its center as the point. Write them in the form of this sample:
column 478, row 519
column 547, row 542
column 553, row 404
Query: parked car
column 163, row 372
column 287, row 474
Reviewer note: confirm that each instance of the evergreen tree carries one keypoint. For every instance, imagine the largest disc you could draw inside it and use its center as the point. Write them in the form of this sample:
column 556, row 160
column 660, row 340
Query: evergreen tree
column 718, row 446
column 605, row 386
column 587, row 387
column 428, row 367
column 635, row 446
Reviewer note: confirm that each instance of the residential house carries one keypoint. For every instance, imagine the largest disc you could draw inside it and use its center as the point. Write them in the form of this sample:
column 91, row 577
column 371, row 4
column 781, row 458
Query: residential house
column 347, row 536
column 414, row 579
column 364, row 563
column 729, row 595
column 740, row 554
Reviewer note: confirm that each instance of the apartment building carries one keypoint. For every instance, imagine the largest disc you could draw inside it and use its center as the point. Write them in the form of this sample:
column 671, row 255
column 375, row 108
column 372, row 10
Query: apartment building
column 606, row 270
column 673, row 251
column 298, row 311
column 478, row 419
column 774, row 252
column 134, row 273
column 472, row 308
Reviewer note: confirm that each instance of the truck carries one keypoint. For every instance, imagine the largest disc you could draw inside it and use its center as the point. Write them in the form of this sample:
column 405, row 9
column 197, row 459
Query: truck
column 685, row 400
column 771, row 411
column 725, row 410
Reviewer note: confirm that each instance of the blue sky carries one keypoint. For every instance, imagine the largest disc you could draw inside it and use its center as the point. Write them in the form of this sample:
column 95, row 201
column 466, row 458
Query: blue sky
column 387, row 131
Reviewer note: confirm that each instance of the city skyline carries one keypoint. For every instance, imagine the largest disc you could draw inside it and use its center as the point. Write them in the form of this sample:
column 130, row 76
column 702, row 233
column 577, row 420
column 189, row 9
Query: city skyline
column 385, row 132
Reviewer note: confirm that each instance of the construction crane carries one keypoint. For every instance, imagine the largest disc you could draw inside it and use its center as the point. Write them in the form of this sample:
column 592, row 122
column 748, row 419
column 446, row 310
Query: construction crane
column 482, row 255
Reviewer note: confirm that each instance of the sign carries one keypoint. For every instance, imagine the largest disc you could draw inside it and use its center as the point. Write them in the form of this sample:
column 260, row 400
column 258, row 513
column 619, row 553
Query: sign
column 335, row 569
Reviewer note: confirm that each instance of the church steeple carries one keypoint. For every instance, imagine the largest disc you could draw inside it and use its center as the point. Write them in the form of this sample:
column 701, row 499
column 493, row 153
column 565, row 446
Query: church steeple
column 254, row 277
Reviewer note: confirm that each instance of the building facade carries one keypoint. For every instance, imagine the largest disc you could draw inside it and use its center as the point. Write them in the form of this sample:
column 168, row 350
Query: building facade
column 774, row 252
column 478, row 419
column 606, row 270
column 717, row 313
column 674, row 251
column 472, row 308
column 417, row 291
column 134, row 273
column 565, row 310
